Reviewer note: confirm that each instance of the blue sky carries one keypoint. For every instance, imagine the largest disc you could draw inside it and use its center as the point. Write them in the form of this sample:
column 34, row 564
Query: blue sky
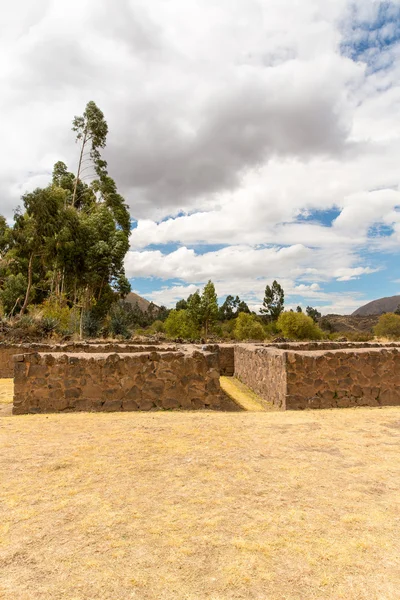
column 252, row 140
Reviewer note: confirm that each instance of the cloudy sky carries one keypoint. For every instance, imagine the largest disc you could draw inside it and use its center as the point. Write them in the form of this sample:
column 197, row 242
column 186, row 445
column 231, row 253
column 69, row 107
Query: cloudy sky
column 252, row 139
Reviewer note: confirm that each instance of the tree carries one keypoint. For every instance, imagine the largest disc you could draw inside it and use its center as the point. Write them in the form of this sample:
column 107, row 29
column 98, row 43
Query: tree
column 179, row 324
column 274, row 300
column 313, row 313
column 194, row 308
column 388, row 326
column 181, row 305
column 36, row 229
column 397, row 311
column 69, row 241
column 231, row 308
column 91, row 129
column 298, row 326
column 299, row 309
column 248, row 327
column 208, row 307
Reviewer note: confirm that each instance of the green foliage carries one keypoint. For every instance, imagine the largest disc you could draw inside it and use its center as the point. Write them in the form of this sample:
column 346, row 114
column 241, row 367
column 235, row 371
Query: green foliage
column 388, row 326
column 119, row 321
column 273, row 302
column 12, row 293
column 298, row 326
column 326, row 325
column 181, row 305
column 231, row 308
column 91, row 324
column 208, row 307
column 299, row 309
column 56, row 310
column 248, row 327
column 180, row 324
column 69, row 241
column 157, row 327
column 313, row 313
column 271, row 329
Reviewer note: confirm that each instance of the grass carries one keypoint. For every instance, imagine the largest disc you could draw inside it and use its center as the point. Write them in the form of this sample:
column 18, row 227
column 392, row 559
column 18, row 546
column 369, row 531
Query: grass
column 243, row 395
column 193, row 506
column 6, row 396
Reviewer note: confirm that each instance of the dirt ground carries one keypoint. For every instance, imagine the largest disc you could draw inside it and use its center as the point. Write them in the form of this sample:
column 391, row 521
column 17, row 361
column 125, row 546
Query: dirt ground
column 201, row 506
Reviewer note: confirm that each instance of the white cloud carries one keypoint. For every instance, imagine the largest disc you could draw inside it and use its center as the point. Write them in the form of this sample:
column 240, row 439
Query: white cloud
column 240, row 116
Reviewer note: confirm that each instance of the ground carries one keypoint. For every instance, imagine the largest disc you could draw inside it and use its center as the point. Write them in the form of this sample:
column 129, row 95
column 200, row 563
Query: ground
column 201, row 506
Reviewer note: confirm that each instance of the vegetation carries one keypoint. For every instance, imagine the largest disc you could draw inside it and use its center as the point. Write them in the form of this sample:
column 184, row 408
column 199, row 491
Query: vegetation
column 66, row 247
column 388, row 326
column 180, row 324
column 249, row 327
column 298, row 326
column 91, row 501
column 273, row 303
column 313, row 313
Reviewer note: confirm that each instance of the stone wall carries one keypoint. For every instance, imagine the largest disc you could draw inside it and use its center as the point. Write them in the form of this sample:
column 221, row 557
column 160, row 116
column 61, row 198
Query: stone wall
column 332, row 378
column 343, row 378
column 264, row 371
column 9, row 350
column 54, row 382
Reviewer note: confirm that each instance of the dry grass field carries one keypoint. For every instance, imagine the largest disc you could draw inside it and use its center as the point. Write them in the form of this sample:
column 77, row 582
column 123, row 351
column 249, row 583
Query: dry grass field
column 268, row 506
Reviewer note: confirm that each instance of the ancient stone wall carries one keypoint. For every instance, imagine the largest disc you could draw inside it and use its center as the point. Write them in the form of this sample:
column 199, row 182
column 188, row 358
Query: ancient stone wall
column 9, row 350
column 263, row 370
column 343, row 378
column 53, row 382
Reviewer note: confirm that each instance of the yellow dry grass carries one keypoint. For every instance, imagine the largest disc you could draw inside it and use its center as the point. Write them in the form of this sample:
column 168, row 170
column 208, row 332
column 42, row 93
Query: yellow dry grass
column 266, row 506
column 6, row 396
column 243, row 395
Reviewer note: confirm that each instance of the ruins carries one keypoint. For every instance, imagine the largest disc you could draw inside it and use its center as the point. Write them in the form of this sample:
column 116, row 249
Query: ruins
column 127, row 377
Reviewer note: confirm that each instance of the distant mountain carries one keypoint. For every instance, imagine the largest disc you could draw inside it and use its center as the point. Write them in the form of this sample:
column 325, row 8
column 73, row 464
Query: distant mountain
column 378, row 307
column 143, row 304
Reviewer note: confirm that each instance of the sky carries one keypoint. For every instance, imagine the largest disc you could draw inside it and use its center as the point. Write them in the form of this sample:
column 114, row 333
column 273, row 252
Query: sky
column 253, row 140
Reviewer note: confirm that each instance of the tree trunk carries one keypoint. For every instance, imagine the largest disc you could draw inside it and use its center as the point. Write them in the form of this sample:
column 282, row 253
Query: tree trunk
column 81, row 324
column 79, row 170
column 28, row 289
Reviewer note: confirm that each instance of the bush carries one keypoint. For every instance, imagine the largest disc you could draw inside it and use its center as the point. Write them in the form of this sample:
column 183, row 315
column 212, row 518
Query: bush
column 326, row 325
column 91, row 324
column 119, row 321
column 357, row 336
column 13, row 293
column 179, row 324
column 157, row 327
column 388, row 326
column 248, row 327
column 58, row 316
column 298, row 326
column 271, row 329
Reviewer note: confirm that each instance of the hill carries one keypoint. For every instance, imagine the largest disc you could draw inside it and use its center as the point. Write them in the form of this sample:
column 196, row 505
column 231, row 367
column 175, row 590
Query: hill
column 351, row 323
column 378, row 307
column 143, row 304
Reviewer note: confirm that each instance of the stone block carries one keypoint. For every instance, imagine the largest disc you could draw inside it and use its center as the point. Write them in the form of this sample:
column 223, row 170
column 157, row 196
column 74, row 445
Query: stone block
column 130, row 405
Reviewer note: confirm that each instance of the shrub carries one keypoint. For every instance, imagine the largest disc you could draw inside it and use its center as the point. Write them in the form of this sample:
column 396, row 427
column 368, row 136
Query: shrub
column 326, row 325
column 248, row 327
column 58, row 316
column 157, row 327
column 91, row 325
column 271, row 329
column 13, row 293
column 179, row 324
column 298, row 326
column 388, row 326
column 119, row 321
column 357, row 336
